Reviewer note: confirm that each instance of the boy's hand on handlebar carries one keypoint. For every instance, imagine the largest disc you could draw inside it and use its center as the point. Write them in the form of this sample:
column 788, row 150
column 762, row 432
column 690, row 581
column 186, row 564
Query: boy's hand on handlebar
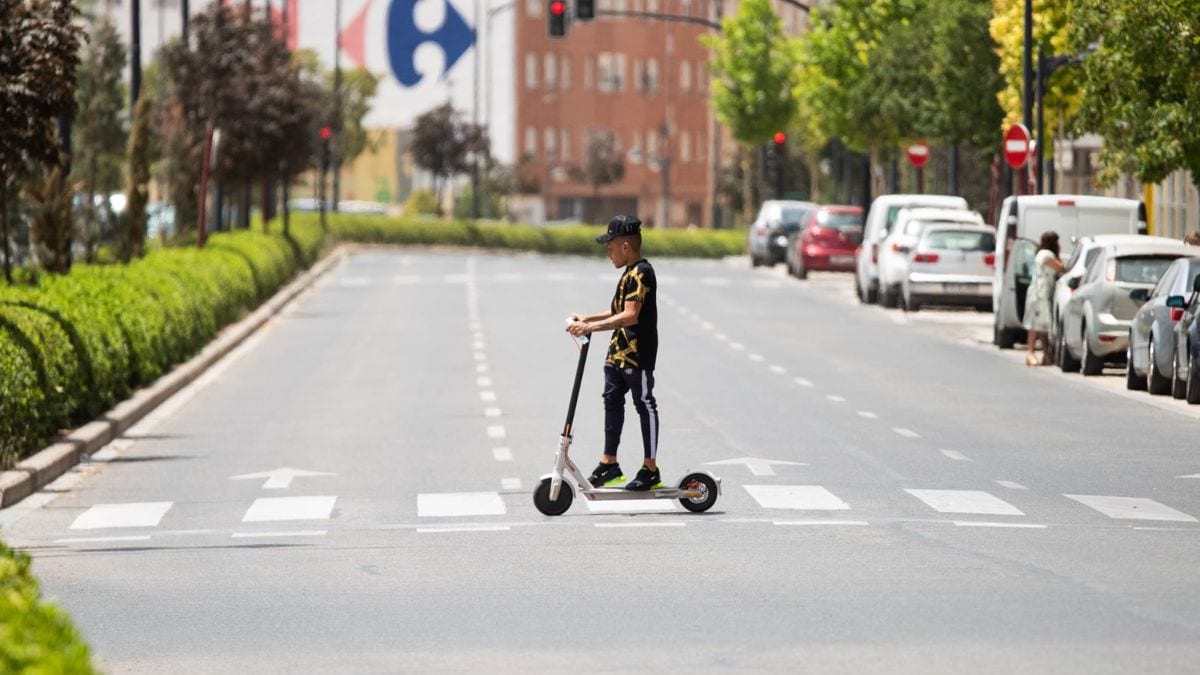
column 579, row 328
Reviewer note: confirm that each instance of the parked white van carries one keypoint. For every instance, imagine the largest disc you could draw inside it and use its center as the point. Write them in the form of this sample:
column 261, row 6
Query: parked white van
column 880, row 219
column 1021, row 223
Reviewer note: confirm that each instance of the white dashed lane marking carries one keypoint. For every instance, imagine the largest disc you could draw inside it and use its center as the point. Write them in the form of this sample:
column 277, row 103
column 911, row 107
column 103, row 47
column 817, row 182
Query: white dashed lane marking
column 956, row 455
column 496, row 431
column 798, row 497
column 502, row 454
column 457, row 504
column 907, row 433
column 966, row 501
column 133, row 514
column 270, row 509
column 1132, row 508
column 835, row 398
column 868, row 415
column 803, row 382
column 1011, row 485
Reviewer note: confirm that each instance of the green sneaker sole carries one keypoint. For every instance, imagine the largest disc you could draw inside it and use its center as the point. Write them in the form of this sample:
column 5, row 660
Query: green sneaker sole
column 614, row 481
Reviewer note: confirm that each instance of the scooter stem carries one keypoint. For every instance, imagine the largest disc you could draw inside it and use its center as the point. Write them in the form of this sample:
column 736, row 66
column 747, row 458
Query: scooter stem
column 583, row 350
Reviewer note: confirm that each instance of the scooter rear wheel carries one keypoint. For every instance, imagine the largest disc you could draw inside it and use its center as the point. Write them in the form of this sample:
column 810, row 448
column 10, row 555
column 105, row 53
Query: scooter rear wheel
column 541, row 498
column 708, row 492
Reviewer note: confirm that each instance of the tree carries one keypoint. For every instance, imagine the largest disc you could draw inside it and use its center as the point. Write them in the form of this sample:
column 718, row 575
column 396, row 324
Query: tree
column 136, row 179
column 39, row 52
column 966, row 74
column 1051, row 24
column 1142, row 85
column 754, row 69
column 604, row 164
column 99, row 135
column 358, row 89
column 443, row 142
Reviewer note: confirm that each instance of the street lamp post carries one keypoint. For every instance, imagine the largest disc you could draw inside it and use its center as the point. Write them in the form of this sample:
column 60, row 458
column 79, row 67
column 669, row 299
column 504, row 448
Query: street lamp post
column 1046, row 65
column 337, row 104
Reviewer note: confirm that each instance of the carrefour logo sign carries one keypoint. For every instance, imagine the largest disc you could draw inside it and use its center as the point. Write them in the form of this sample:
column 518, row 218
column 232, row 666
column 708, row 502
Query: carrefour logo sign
column 454, row 37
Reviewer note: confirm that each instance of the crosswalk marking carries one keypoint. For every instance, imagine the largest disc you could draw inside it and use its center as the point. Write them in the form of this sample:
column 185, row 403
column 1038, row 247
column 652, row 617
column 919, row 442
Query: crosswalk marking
column 445, row 504
column 1131, row 508
column 797, row 497
column 510, row 483
column 491, row 412
column 502, row 454
column 496, row 431
column 966, row 501
column 272, row 509
column 132, row 514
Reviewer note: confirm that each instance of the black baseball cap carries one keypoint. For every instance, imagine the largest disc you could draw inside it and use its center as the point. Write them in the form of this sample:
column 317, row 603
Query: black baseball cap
column 620, row 226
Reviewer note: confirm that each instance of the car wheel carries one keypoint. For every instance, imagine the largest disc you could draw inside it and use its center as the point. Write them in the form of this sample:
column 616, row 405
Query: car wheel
column 889, row 297
column 754, row 261
column 1091, row 364
column 1193, row 381
column 1005, row 338
column 1066, row 362
column 1133, row 382
column 985, row 307
column 909, row 304
column 1156, row 382
column 1178, row 386
column 801, row 270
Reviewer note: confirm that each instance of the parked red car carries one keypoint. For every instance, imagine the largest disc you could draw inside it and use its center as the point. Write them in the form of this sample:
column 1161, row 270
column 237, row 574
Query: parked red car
column 828, row 241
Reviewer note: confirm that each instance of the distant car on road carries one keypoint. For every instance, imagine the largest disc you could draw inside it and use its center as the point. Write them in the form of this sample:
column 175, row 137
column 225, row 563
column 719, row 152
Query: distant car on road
column 1151, row 354
column 880, row 219
column 896, row 248
column 776, row 220
column 1187, row 348
column 951, row 265
column 827, row 241
column 1095, row 322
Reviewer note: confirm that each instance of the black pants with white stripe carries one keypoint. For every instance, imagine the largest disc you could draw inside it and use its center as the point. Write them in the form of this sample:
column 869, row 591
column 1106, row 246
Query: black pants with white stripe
column 640, row 383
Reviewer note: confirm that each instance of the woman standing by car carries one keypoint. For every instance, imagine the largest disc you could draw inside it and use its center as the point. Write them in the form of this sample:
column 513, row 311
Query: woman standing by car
column 1046, row 267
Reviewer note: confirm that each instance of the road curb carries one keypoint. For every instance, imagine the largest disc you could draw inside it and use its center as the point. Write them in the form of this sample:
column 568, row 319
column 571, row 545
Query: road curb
column 39, row 469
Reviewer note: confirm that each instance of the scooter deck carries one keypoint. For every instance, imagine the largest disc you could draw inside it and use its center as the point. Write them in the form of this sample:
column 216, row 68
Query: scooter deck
column 616, row 492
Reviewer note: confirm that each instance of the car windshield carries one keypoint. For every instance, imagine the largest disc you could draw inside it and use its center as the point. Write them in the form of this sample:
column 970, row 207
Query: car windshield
column 960, row 240
column 840, row 221
column 1142, row 269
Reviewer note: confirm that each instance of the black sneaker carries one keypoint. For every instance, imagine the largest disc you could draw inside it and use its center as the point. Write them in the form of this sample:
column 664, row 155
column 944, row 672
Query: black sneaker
column 606, row 475
column 645, row 480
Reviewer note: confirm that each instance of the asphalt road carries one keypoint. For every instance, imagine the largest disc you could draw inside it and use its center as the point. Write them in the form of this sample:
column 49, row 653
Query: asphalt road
column 937, row 506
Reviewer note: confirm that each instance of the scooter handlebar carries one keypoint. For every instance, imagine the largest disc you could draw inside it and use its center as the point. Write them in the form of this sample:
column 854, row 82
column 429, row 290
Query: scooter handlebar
column 583, row 339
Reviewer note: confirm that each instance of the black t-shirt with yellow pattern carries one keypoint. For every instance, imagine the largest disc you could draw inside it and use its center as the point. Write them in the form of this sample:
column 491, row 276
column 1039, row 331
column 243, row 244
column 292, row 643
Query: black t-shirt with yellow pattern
column 637, row 345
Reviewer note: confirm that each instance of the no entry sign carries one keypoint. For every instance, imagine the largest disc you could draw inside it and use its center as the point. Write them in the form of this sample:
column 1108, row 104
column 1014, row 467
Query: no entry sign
column 918, row 154
column 1016, row 146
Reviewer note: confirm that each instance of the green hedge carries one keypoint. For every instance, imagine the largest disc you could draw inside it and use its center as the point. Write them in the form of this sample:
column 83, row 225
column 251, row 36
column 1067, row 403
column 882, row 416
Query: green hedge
column 73, row 346
column 575, row 239
column 35, row 636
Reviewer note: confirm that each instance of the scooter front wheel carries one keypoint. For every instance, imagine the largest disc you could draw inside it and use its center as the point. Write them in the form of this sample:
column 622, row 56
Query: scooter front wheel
column 708, row 492
column 557, row 507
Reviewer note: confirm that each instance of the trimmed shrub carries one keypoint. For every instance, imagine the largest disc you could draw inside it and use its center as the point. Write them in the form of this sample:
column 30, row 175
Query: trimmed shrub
column 35, row 636
column 23, row 407
column 59, row 372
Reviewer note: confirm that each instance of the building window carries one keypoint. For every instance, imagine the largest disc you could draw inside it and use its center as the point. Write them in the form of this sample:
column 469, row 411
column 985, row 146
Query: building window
column 635, row 153
column 618, row 5
column 687, row 7
column 531, row 142
column 651, row 145
column 685, row 76
column 589, row 70
column 550, row 143
column 565, row 145
column 652, row 6
column 611, row 76
column 685, row 147
column 564, row 75
column 639, row 73
column 531, row 68
column 550, row 71
column 651, row 78
column 533, row 8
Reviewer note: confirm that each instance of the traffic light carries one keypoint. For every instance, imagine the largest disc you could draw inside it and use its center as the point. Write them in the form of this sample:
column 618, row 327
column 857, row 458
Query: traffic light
column 780, row 155
column 556, row 19
column 585, row 10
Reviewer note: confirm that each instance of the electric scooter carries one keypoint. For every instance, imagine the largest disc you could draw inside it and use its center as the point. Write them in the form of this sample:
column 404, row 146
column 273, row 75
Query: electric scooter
column 698, row 490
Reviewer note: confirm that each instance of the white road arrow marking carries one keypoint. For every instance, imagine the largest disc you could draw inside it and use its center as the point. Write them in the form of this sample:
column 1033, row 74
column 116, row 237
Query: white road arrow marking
column 280, row 478
column 1194, row 475
column 758, row 467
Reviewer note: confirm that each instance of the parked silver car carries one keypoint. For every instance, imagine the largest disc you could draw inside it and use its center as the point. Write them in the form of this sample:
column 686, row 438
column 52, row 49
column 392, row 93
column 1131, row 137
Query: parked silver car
column 1095, row 321
column 776, row 220
column 951, row 265
column 1151, row 354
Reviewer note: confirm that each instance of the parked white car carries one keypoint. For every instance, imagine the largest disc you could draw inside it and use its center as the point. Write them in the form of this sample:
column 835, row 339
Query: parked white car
column 951, row 265
column 894, row 252
column 1095, row 321
column 1020, row 226
column 880, row 219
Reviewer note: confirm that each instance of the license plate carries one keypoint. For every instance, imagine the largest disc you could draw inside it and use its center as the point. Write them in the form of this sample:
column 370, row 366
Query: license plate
column 967, row 289
column 841, row 259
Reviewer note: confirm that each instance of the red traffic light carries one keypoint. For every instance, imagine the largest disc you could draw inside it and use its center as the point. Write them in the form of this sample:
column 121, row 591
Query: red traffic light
column 558, row 8
column 326, row 133
column 780, row 138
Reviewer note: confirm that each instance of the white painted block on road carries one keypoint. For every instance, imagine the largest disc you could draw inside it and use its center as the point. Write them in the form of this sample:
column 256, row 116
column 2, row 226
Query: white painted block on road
column 510, row 483
column 487, row 396
column 272, row 509
column 496, row 432
column 757, row 358
column 966, row 501
column 907, row 433
column 836, row 399
column 797, row 497
column 454, row 504
column 483, row 381
column 868, row 414
column 502, row 454
column 634, row 506
column 491, row 412
column 134, row 514
column 1131, row 508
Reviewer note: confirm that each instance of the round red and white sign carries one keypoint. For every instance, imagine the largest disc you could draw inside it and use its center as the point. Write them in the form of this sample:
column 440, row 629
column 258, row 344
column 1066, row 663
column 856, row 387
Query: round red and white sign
column 1017, row 146
column 918, row 153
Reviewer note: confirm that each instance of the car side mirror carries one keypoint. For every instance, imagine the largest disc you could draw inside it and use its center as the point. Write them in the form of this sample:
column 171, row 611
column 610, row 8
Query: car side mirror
column 1176, row 301
column 1073, row 284
column 1139, row 294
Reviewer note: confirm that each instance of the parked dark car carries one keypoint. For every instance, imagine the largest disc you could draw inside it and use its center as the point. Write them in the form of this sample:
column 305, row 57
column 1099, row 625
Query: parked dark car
column 1151, row 355
column 777, row 220
column 828, row 241
column 1186, row 370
